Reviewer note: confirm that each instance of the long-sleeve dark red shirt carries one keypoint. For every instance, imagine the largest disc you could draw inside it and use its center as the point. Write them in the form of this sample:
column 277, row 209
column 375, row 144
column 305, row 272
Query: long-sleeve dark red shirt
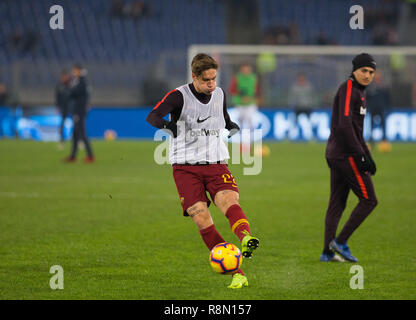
column 347, row 122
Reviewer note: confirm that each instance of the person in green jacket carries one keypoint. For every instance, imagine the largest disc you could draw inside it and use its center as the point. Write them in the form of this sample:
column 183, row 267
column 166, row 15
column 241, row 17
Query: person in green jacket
column 245, row 94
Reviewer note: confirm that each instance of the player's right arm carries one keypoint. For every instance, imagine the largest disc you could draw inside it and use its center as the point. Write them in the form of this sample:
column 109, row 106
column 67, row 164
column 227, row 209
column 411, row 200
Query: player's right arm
column 229, row 125
column 171, row 103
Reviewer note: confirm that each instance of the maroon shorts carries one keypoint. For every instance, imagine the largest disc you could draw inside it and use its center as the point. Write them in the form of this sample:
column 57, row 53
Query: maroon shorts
column 193, row 182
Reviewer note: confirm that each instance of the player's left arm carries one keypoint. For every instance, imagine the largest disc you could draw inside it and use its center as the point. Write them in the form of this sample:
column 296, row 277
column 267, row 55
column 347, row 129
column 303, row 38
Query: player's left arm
column 365, row 147
column 373, row 167
column 229, row 125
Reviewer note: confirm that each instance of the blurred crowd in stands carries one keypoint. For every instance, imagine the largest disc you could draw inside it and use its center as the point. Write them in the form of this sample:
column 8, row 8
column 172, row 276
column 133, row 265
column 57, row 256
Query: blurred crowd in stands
column 131, row 48
column 381, row 23
column 133, row 9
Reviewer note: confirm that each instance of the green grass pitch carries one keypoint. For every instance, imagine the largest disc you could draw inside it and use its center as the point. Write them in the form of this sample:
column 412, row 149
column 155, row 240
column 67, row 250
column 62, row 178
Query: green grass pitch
column 116, row 227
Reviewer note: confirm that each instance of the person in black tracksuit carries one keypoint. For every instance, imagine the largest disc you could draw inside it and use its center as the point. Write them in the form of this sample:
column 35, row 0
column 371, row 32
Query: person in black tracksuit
column 62, row 99
column 349, row 159
column 79, row 101
column 379, row 100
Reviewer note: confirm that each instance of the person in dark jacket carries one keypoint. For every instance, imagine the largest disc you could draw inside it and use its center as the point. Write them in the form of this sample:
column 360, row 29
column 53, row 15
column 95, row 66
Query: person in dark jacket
column 4, row 95
column 78, row 97
column 62, row 99
column 379, row 101
column 349, row 160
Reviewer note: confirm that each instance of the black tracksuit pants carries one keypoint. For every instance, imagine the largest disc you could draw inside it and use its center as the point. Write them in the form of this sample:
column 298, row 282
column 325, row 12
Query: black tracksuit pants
column 345, row 176
column 64, row 114
column 80, row 133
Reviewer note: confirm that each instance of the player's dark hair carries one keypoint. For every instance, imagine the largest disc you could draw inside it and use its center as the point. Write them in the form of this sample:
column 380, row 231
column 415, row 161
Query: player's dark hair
column 202, row 62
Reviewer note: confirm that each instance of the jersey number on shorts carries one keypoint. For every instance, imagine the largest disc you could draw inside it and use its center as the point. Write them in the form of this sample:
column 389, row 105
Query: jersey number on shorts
column 228, row 178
